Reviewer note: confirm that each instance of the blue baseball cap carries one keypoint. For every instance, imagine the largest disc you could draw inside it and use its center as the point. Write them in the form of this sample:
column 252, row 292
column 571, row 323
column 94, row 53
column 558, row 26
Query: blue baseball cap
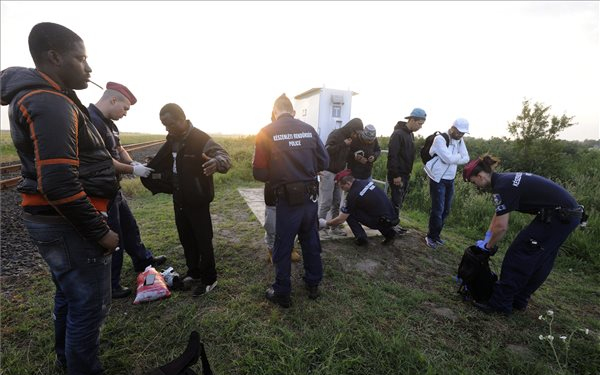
column 417, row 113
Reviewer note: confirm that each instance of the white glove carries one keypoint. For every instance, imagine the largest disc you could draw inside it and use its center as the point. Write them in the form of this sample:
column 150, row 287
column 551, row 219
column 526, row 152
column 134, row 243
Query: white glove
column 322, row 223
column 141, row 170
column 135, row 163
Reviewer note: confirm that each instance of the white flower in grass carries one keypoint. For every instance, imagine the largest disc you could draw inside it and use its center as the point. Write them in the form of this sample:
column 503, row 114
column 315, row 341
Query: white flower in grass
column 541, row 337
column 550, row 338
column 587, row 331
column 550, row 312
column 564, row 338
column 541, row 317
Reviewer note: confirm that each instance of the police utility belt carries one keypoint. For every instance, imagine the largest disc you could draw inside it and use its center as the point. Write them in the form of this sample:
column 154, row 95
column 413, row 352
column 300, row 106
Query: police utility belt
column 545, row 215
column 295, row 192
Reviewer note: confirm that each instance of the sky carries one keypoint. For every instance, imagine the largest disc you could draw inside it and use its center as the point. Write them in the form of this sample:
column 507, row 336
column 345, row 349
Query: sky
column 226, row 62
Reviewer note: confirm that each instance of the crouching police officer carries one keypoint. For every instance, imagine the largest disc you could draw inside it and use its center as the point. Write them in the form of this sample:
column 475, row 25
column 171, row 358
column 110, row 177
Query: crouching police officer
column 366, row 204
column 289, row 154
column 530, row 257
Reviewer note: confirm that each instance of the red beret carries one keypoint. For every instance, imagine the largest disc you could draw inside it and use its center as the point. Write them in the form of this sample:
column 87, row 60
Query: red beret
column 342, row 174
column 123, row 90
column 468, row 170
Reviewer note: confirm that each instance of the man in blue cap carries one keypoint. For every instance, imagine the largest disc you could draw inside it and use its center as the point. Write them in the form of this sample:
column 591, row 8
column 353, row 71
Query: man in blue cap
column 401, row 155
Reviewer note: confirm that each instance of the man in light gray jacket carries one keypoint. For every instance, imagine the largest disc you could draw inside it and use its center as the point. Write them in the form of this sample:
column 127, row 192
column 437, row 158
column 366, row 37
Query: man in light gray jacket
column 441, row 169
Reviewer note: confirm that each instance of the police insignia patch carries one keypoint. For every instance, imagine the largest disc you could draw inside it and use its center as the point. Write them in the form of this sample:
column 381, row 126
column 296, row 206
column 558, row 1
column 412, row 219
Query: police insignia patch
column 497, row 199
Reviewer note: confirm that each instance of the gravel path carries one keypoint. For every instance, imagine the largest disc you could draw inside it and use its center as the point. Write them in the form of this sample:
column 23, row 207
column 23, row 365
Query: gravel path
column 18, row 255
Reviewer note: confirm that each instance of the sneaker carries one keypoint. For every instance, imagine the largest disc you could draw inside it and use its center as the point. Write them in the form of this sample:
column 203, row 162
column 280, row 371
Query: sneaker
column 399, row 230
column 313, row 291
column 120, row 292
column 278, row 299
column 295, row 256
column 361, row 241
column 203, row 289
column 338, row 231
column 440, row 242
column 431, row 243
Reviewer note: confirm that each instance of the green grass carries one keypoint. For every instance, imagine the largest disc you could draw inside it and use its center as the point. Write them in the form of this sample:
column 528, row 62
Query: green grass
column 403, row 318
column 381, row 323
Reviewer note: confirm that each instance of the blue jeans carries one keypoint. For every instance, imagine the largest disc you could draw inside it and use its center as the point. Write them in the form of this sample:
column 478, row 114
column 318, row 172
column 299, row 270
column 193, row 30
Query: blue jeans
column 122, row 222
column 441, row 200
column 81, row 274
column 301, row 220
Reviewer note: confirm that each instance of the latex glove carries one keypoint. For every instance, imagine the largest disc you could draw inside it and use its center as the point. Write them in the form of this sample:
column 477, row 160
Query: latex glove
column 142, row 171
column 322, row 223
column 135, row 163
column 481, row 244
column 488, row 235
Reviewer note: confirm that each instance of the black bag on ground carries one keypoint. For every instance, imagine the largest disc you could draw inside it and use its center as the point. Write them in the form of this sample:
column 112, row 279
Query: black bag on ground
column 477, row 280
column 181, row 365
column 425, row 157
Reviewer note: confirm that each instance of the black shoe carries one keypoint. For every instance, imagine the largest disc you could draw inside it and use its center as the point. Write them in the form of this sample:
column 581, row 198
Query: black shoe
column 361, row 241
column 157, row 261
column 313, row 291
column 389, row 239
column 487, row 309
column 278, row 299
column 120, row 292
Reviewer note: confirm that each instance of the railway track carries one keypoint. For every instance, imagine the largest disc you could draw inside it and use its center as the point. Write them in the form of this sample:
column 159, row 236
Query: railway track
column 13, row 169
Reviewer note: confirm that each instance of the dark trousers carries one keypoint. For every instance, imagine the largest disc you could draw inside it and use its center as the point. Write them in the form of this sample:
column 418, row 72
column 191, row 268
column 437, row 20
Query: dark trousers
column 526, row 265
column 441, row 200
column 81, row 274
column 194, row 227
column 359, row 218
column 122, row 222
column 298, row 220
column 398, row 193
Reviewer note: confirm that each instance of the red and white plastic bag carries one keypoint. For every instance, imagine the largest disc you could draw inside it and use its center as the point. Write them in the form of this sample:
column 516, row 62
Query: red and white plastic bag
column 151, row 286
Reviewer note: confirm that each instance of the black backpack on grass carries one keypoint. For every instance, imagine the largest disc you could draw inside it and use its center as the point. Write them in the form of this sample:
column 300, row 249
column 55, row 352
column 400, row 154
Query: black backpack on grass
column 477, row 280
column 425, row 157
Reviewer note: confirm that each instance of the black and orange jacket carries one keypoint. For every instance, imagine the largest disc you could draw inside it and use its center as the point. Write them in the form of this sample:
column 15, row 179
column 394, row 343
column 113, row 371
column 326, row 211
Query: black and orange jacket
column 65, row 166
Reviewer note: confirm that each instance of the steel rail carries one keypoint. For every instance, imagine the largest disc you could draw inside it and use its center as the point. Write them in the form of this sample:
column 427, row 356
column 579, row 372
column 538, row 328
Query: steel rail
column 12, row 182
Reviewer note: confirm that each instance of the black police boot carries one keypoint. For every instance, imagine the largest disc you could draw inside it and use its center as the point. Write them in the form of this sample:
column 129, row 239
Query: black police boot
column 278, row 299
column 313, row 291
column 389, row 239
column 361, row 241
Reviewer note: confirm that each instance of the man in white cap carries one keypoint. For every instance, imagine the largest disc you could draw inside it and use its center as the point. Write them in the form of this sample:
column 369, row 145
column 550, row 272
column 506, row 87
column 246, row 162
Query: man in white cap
column 448, row 151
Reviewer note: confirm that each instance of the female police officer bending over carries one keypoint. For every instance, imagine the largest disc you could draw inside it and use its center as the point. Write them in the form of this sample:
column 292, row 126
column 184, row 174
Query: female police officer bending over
column 529, row 259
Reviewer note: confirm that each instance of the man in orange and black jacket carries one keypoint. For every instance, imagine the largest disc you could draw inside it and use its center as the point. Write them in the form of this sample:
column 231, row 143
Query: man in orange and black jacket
column 68, row 183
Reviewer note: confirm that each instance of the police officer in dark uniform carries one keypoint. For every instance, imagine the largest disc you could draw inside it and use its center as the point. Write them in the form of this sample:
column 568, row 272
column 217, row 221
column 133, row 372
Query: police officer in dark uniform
column 530, row 257
column 288, row 155
column 366, row 204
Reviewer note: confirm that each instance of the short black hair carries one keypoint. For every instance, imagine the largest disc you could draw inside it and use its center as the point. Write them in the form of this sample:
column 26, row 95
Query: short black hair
column 173, row 109
column 48, row 36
